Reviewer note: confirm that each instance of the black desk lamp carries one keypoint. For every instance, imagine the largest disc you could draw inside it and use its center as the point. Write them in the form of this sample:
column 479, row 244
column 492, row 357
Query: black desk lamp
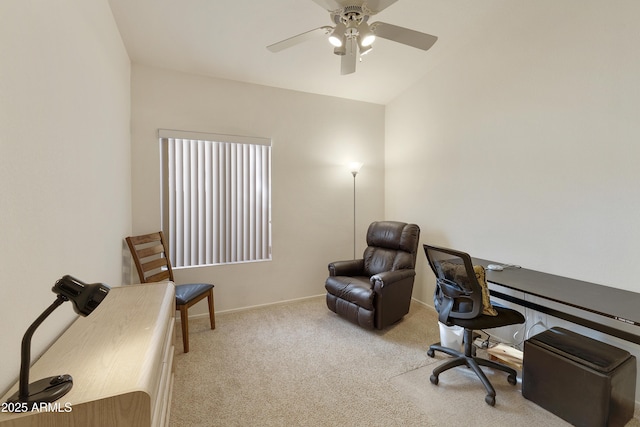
column 85, row 299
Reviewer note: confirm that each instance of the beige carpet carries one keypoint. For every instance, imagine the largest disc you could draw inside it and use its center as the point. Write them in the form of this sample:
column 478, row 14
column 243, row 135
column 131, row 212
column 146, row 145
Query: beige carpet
column 298, row 364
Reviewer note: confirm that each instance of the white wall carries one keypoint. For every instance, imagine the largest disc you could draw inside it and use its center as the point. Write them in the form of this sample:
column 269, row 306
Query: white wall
column 524, row 147
column 313, row 138
column 65, row 198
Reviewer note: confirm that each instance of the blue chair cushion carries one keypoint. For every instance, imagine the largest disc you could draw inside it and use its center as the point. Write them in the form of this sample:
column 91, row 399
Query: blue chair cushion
column 188, row 292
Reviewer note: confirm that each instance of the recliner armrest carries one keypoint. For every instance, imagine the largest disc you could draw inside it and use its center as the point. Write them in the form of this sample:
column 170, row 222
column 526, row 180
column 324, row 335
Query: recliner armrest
column 352, row 267
column 386, row 278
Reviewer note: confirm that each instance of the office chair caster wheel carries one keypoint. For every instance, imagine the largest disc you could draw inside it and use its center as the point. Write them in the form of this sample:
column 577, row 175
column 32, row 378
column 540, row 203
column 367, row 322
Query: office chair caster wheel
column 433, row 379
column 512, row 379
column 431, row 353
column 491, row 400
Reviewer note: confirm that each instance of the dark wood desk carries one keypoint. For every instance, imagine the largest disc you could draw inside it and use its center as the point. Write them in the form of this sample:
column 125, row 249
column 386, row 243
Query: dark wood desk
column 613, row 303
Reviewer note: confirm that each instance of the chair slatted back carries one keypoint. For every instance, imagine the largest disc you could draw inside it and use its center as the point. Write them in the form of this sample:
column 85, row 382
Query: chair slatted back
column 149, row 253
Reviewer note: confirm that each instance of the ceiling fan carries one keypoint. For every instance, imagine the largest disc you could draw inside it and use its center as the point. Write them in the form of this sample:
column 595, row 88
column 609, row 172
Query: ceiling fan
column 352, row 36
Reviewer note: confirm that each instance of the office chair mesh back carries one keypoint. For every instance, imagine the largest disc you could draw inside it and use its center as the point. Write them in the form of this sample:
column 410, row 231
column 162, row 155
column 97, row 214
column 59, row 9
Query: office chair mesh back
column 458, row 293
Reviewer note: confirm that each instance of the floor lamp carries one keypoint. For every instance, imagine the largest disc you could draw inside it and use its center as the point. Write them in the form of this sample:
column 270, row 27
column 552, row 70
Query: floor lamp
column 354, row 167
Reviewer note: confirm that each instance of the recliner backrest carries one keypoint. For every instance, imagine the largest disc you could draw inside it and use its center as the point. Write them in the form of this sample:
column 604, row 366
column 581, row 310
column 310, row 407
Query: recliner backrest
column 392, row 246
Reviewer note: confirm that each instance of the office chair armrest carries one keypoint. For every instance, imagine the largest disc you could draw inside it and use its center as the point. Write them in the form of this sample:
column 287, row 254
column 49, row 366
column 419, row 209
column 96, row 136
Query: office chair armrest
column 447, row 292
column 352, row 267
column 450, row 288
column 387, row 278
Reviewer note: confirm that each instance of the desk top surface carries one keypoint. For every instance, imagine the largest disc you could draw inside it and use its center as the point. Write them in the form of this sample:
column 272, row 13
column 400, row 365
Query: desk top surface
column 604, row 300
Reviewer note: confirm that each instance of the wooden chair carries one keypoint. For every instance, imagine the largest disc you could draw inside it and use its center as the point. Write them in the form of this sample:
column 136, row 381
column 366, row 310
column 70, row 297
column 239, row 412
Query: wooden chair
column 149, row 253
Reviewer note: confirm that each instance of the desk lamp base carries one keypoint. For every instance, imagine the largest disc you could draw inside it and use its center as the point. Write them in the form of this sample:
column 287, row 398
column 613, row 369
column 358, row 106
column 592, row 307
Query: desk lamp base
column 44, row 391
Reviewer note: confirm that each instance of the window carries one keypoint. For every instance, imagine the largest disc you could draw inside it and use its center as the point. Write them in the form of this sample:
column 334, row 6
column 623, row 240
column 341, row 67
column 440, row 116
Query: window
column 216, row 198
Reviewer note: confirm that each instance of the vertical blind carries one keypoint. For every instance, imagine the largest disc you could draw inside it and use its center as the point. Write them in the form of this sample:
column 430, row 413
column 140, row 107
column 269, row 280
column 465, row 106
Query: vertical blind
column 216, row 199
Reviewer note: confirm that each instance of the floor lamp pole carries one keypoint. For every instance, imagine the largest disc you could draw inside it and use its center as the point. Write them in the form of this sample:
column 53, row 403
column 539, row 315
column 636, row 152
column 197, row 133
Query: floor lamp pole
column 355, row 168
column 354, row 173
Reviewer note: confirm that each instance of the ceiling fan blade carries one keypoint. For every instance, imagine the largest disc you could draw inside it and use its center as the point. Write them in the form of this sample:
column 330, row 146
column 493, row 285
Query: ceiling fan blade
column 376, row 6
column 292, row 41
column 329, row 5
column 403, row 35
column 348, row 61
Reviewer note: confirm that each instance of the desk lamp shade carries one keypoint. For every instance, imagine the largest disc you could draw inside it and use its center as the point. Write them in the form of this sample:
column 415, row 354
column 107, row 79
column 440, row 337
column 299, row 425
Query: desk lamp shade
column 85, row 299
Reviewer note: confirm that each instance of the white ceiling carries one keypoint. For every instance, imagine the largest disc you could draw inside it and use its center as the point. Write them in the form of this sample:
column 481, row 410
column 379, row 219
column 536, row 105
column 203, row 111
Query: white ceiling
column 228, row 39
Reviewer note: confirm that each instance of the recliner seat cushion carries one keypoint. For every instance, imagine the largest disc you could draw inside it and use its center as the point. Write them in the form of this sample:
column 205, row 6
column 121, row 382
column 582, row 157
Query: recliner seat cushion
column 356, row 290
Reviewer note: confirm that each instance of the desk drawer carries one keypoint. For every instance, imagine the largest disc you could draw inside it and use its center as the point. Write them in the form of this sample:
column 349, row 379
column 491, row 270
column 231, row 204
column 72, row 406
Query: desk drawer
column 160, row 405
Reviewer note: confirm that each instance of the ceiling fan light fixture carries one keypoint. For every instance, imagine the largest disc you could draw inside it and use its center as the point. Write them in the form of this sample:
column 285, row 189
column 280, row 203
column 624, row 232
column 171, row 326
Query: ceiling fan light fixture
column 366, row 35
column 337, row 37
column 365, row 49
column 342, row 50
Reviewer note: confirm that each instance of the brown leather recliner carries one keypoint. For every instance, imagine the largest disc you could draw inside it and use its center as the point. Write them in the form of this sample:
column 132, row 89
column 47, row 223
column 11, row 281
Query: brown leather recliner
column 375, row 291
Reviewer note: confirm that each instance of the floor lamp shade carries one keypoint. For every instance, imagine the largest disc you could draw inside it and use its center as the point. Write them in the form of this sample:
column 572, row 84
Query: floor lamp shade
column 354, row 168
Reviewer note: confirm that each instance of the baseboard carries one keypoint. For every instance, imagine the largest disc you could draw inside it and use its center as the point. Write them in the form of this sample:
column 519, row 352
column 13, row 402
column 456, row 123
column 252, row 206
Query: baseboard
column 252, row 307
column 425, row 305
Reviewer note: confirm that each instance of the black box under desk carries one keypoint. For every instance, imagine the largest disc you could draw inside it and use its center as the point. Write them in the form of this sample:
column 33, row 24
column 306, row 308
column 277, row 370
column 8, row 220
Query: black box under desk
column 583, row 381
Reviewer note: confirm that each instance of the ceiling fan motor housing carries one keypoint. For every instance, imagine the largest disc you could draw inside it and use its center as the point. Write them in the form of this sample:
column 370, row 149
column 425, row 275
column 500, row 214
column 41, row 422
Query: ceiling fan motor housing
column 350, row 16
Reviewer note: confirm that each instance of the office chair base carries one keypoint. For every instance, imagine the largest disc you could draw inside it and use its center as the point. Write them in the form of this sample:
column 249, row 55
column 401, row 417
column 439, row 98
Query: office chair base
column 474, row 363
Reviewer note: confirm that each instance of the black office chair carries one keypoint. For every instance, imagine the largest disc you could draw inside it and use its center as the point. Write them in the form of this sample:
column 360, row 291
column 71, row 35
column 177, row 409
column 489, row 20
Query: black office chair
column 458, row 298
